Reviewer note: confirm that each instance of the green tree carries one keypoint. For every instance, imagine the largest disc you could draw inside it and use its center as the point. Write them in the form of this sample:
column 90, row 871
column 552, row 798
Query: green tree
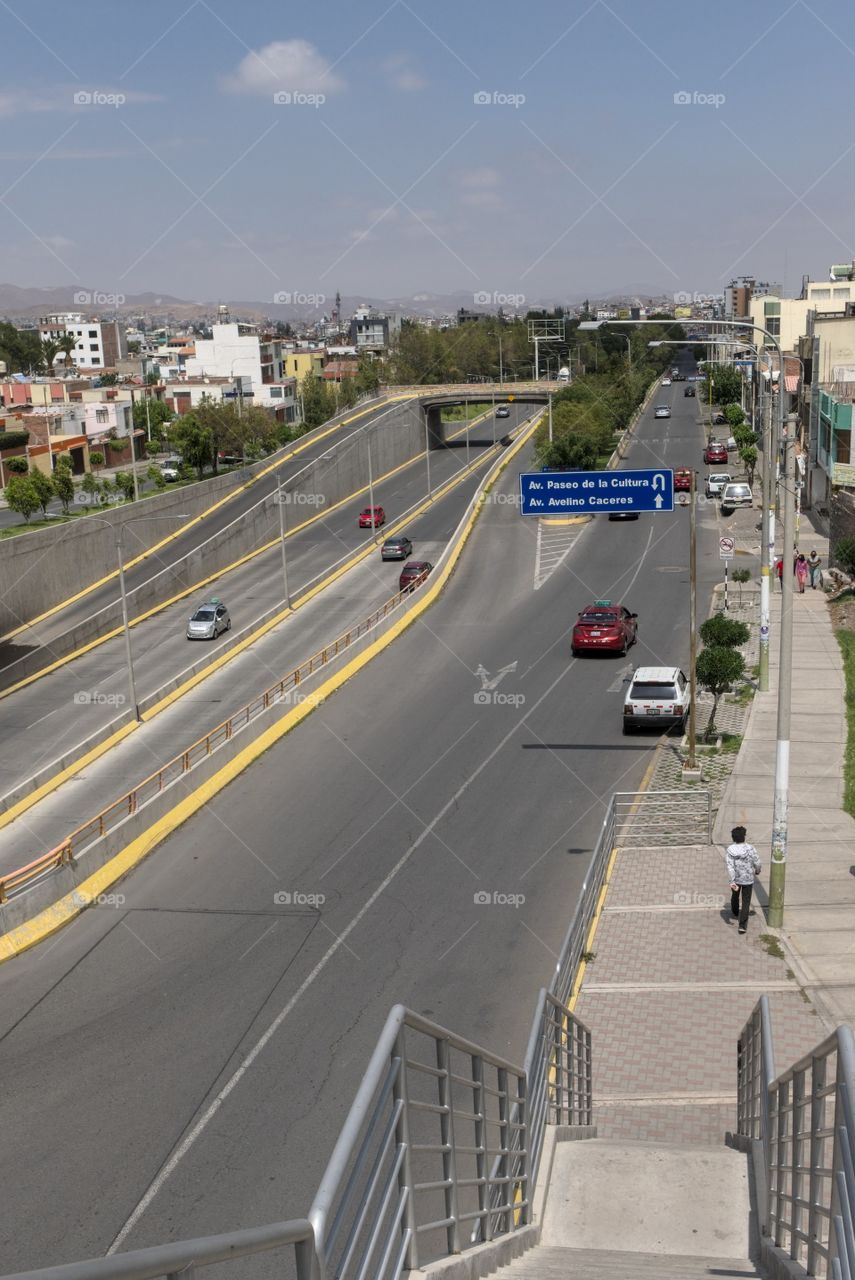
column 735, row 414
column 158, row 414
column 18, row 465
column 50, row 351
column 44, row 488
column 726, row 386
column 718, row 669
column 63, row 462
column 106, row 491
column 64, row 486
column 195, row 442
column 740, row 576
column 90, row 486
column 21, row 349
column 749, row 455
column 317, row 399
column 844, row 554
column 22, row 497
column 722, row 632
column 577, row 452
column 67, row 344
column 347, row 393
column 125, row 484
column 108, row 380
column 133, row 348
column 96, row 458
column 154, row 473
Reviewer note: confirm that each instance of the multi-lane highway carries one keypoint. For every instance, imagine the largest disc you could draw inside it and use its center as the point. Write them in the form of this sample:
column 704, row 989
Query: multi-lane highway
column 50, row 718
column 180, row 1062
column 225, row 510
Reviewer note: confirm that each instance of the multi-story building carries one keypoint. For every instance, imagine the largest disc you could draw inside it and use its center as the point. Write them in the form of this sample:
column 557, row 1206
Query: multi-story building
column 100, row 343
column 372, row 331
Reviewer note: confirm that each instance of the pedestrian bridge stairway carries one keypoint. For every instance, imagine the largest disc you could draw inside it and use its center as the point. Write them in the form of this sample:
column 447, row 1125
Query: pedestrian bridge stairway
column 619, row 1210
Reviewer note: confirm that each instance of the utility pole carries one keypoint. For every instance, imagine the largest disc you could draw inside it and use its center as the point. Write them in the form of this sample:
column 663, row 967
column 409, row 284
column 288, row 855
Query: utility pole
column 767, row 541
column 550, row 417
column 691, row 762
column 427, row 448
column 132, row 688
column 133, row 458
column 780, row 814
column 501, row 371
column 370, row 484
column 281, row 496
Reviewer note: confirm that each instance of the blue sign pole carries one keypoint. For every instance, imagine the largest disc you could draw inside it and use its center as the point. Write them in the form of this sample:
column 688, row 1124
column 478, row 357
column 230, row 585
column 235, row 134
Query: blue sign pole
column 596, row 492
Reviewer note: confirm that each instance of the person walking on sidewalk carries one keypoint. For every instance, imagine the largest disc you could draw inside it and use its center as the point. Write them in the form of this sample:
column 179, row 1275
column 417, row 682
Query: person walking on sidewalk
column 743, row 865
column 814, row 565
column 801, row 573
column 779, row 570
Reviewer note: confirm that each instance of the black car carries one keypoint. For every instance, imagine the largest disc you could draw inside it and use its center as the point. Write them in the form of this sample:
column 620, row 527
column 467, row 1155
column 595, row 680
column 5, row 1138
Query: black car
column 689, row 391
column 399, row 548
column 623, row 515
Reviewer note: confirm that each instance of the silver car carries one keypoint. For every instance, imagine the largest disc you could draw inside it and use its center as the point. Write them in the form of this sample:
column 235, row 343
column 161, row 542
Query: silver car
column 209, row 620
column 736, row 494
column 716, row 481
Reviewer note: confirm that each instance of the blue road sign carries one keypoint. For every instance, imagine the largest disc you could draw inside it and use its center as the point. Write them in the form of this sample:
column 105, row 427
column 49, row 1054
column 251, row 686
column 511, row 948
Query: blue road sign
column 575, row 493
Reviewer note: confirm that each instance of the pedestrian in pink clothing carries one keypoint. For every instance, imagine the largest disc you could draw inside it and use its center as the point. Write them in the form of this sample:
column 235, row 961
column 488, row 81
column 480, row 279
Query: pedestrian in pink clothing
column 801, row 573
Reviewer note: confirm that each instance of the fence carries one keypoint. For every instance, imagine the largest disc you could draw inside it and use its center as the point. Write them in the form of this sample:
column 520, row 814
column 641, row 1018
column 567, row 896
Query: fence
column 805, row 1123
column 650, row 818
column 15, row 882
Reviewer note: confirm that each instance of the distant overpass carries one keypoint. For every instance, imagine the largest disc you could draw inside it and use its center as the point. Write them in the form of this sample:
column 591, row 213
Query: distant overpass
column 433, row 399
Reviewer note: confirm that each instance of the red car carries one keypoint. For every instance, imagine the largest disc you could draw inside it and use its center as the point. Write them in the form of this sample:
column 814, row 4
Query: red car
column 682, row 479
column 413, row 574
column 603, row 625
column 372, row 518
column 715, row 454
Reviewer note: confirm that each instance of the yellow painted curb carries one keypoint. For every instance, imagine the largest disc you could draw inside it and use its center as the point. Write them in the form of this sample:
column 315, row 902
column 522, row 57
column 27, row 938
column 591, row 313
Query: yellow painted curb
column 52, row 784
column 54, row 917
column 565, row 519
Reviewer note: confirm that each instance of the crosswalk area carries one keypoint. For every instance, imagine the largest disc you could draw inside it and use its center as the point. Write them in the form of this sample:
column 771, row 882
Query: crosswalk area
column 555, row 541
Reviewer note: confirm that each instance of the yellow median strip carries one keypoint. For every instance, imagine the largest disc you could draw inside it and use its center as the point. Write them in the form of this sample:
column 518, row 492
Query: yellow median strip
column 213, row 577
column 35, row 796
column 203, row 515
column 60, row 913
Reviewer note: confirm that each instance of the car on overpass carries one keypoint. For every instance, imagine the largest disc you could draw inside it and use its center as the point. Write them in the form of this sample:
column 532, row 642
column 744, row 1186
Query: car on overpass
column 209, row 621
column 503, row 411
column 605, row 627
column 413, row 574
column 399, row 548
column 372, row 518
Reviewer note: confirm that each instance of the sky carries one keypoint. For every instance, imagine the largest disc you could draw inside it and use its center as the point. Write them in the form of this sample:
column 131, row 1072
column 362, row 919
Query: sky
column 547, row 150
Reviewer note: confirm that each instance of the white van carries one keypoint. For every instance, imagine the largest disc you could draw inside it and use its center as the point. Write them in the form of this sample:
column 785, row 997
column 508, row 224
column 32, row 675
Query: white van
column 657, row 697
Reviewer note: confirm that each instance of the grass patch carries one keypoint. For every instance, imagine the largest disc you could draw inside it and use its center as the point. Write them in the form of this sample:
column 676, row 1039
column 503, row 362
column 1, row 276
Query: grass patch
column 463, row 412
column 846, row 640
column 589, row 956
column 772, row 946
column 743, row 695
column 731, row 742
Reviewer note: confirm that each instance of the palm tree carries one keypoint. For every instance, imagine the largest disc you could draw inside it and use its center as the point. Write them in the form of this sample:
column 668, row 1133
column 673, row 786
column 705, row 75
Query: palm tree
column 66, row 345
column 50, row 351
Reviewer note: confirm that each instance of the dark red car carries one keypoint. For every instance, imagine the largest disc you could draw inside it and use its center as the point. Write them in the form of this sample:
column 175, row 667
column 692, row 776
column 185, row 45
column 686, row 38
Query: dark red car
column 603, row 625
column 715, row 454
column 413, row 574
column 372, row 518
column 682, row 479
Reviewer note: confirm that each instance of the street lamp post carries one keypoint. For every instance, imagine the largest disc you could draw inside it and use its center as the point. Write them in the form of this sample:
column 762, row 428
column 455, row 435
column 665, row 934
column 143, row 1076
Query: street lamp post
column 282, row 536
column 780, row 813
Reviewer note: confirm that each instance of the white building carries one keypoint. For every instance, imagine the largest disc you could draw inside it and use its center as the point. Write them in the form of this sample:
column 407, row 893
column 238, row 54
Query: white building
column 232, row 350
column 100, row 343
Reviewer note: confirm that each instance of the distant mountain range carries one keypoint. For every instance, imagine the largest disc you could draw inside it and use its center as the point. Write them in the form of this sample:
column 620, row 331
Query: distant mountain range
column 22, row 304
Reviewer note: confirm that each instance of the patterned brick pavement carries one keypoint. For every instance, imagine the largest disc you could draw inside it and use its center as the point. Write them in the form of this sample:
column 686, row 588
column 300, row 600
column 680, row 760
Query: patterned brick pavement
column 667, row 992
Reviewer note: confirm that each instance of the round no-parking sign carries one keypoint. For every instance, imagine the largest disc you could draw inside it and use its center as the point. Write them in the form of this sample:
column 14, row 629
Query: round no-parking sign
column 725, row 548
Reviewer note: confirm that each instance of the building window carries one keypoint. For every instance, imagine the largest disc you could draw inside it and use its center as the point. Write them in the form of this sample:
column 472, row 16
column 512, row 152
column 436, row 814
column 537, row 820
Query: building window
column 95, row 360
column 93, row 346
column 101, row 415
column 276, row 392
column 93, row 333
column 773, row 326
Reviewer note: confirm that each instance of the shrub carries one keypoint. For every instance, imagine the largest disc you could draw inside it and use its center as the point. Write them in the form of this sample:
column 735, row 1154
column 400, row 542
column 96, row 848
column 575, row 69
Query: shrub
column 721, row 632
column 717, row 669
column 96, row 458
column 19, row 466
column 844, row 554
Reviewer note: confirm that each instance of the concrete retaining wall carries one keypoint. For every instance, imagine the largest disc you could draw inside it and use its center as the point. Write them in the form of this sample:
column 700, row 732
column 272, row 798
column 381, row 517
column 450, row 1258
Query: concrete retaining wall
column 41, row 569
column 337, row 474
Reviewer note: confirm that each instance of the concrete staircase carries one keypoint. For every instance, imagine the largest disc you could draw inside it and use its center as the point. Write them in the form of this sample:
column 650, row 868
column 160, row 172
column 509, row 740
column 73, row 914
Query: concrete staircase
column 633, row 1210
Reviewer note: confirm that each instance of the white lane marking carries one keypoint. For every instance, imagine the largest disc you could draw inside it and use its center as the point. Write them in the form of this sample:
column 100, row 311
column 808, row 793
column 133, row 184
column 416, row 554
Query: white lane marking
column 207, row 1116
column 620, row 679
column 41, row 719
column 552, row 548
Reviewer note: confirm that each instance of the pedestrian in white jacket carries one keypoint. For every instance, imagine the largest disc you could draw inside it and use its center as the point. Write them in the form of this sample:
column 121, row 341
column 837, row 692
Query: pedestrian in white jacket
column 743, row 865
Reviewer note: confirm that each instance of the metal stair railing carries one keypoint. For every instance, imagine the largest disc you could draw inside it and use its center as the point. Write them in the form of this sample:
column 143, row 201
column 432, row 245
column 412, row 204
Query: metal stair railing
column 805, row 1120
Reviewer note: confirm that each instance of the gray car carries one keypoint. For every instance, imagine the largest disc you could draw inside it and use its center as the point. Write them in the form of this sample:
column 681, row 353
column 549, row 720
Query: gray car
column 209, row 621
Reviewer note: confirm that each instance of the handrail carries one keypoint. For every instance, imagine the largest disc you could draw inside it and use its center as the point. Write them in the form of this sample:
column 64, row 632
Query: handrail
column 181, row 1257
column 805, row 1121
column 14, row 882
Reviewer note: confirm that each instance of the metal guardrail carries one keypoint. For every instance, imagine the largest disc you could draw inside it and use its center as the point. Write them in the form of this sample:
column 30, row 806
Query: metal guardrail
column 805, row 1119
column 649, row 818
column 74, row 844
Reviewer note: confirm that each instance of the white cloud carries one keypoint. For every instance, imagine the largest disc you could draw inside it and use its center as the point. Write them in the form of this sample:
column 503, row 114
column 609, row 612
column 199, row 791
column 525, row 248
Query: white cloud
column 401, row 75
column 293, row 65
column 483, row 179
column 58, row 242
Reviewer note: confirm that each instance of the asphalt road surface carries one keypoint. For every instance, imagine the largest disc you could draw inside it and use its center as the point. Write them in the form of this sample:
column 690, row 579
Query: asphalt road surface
column 140, row 1103
column 45, row 720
